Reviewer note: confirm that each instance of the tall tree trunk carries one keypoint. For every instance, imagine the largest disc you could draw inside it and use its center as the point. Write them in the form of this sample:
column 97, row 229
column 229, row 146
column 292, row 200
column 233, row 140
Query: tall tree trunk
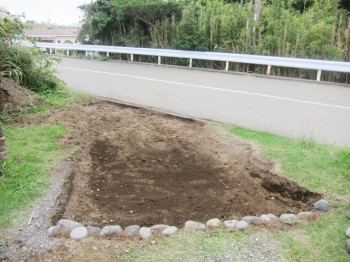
column 257, row 16
column 2, row 145
column 257, row 12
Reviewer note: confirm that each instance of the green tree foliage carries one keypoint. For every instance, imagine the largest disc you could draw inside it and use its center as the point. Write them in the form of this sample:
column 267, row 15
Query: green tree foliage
column 317, row 29
column 125, row 22
column 28, row 66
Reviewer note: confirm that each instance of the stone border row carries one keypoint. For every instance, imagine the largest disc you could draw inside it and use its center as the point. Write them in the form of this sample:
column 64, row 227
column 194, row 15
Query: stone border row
column 347, row 234
column 75, row 230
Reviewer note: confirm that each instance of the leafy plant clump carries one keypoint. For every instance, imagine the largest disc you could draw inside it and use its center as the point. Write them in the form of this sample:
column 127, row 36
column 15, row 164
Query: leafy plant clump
column 28, row 66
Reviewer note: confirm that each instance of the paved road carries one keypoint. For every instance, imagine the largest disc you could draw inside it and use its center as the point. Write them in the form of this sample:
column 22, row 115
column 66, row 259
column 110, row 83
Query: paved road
column 285, row 107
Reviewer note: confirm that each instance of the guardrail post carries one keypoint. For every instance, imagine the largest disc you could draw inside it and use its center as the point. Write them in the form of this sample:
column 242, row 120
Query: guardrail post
column 319, row 73
column 107, row 54
column 132, row 57
column 67, row 52
column 86, row 53
column 190, row 65
column 50, row 50
column 227, row 65
column 159, row 60
column 268, row 70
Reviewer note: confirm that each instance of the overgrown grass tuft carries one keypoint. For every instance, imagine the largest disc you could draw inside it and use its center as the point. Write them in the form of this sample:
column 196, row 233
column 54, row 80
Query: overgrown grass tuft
column 62, row 97
column 32, row 151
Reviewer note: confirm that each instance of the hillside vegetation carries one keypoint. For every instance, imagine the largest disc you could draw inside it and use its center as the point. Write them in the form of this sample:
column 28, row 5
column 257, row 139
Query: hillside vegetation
column 28, row 66
column 317, row 29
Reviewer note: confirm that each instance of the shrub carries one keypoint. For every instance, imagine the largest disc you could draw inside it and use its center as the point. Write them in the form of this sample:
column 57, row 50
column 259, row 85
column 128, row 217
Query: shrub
column 28, row 66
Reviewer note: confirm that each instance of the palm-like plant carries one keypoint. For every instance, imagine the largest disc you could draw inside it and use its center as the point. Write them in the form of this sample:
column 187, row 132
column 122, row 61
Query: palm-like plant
column 9, row 53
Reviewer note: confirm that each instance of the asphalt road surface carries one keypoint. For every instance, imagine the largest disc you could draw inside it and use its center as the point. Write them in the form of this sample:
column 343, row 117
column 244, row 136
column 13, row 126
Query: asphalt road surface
column 286, row 107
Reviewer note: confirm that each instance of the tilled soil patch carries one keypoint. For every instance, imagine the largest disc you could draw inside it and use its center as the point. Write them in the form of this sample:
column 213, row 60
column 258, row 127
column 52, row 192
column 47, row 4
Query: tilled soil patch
column 137, row 166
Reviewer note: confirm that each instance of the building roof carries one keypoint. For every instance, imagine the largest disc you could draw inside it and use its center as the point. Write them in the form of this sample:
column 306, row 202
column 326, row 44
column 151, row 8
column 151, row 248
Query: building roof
column 51, row 32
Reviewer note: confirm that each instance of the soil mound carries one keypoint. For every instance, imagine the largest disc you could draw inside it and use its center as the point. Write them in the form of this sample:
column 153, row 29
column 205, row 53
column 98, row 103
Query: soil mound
column 12, row 96
column 136, row 166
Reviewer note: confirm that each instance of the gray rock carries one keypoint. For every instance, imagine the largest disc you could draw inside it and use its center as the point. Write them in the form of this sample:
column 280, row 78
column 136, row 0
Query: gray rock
column 68, row 224
column 55, row 231
column 265, row 218
column 305, row 215
column 159, row 227
column 93, row 230
column 116, row 229
column 51, row 230
column 214, row 223
column 230, row 223
column 347, row 245
column 109, row 230
column 132, row 230
column 194, row 226
column 272, row 217
column 348, row 214
column 347, row 233
column 250, row 219
column 78, row 233
column 169, row 231
column 105, row 231
column 321, row 205
column 241, row 225
column 145, row 232
column 288, row 218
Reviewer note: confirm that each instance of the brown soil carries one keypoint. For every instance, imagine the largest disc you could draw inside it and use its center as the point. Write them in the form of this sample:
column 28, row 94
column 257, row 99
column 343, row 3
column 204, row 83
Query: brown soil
column 13, row 96
column 136, row 166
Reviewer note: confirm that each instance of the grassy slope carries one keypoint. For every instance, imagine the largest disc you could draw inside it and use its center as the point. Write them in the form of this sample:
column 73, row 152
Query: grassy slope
column 32, row 151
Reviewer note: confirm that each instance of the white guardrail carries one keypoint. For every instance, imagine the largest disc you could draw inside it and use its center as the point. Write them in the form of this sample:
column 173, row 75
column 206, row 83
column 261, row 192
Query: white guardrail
column 269, row 61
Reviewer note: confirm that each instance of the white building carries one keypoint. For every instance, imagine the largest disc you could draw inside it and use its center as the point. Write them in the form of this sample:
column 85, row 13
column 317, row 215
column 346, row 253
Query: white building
column 53, row 35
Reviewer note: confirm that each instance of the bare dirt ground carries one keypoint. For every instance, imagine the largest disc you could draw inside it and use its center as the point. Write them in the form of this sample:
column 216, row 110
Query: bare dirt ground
column 136, row 166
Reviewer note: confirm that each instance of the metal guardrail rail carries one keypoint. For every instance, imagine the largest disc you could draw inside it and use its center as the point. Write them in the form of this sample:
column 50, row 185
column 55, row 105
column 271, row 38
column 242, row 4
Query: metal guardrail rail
column 269, row 61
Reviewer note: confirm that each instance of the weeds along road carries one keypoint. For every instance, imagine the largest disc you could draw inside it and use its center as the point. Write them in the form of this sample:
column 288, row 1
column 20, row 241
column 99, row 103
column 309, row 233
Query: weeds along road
column 286, row 107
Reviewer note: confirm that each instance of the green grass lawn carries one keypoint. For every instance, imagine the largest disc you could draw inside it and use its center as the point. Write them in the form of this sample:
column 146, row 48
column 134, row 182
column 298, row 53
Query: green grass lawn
column 32, row 151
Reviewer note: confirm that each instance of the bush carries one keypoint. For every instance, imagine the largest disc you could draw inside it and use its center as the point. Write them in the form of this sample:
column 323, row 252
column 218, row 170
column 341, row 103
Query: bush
column 28, row 66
